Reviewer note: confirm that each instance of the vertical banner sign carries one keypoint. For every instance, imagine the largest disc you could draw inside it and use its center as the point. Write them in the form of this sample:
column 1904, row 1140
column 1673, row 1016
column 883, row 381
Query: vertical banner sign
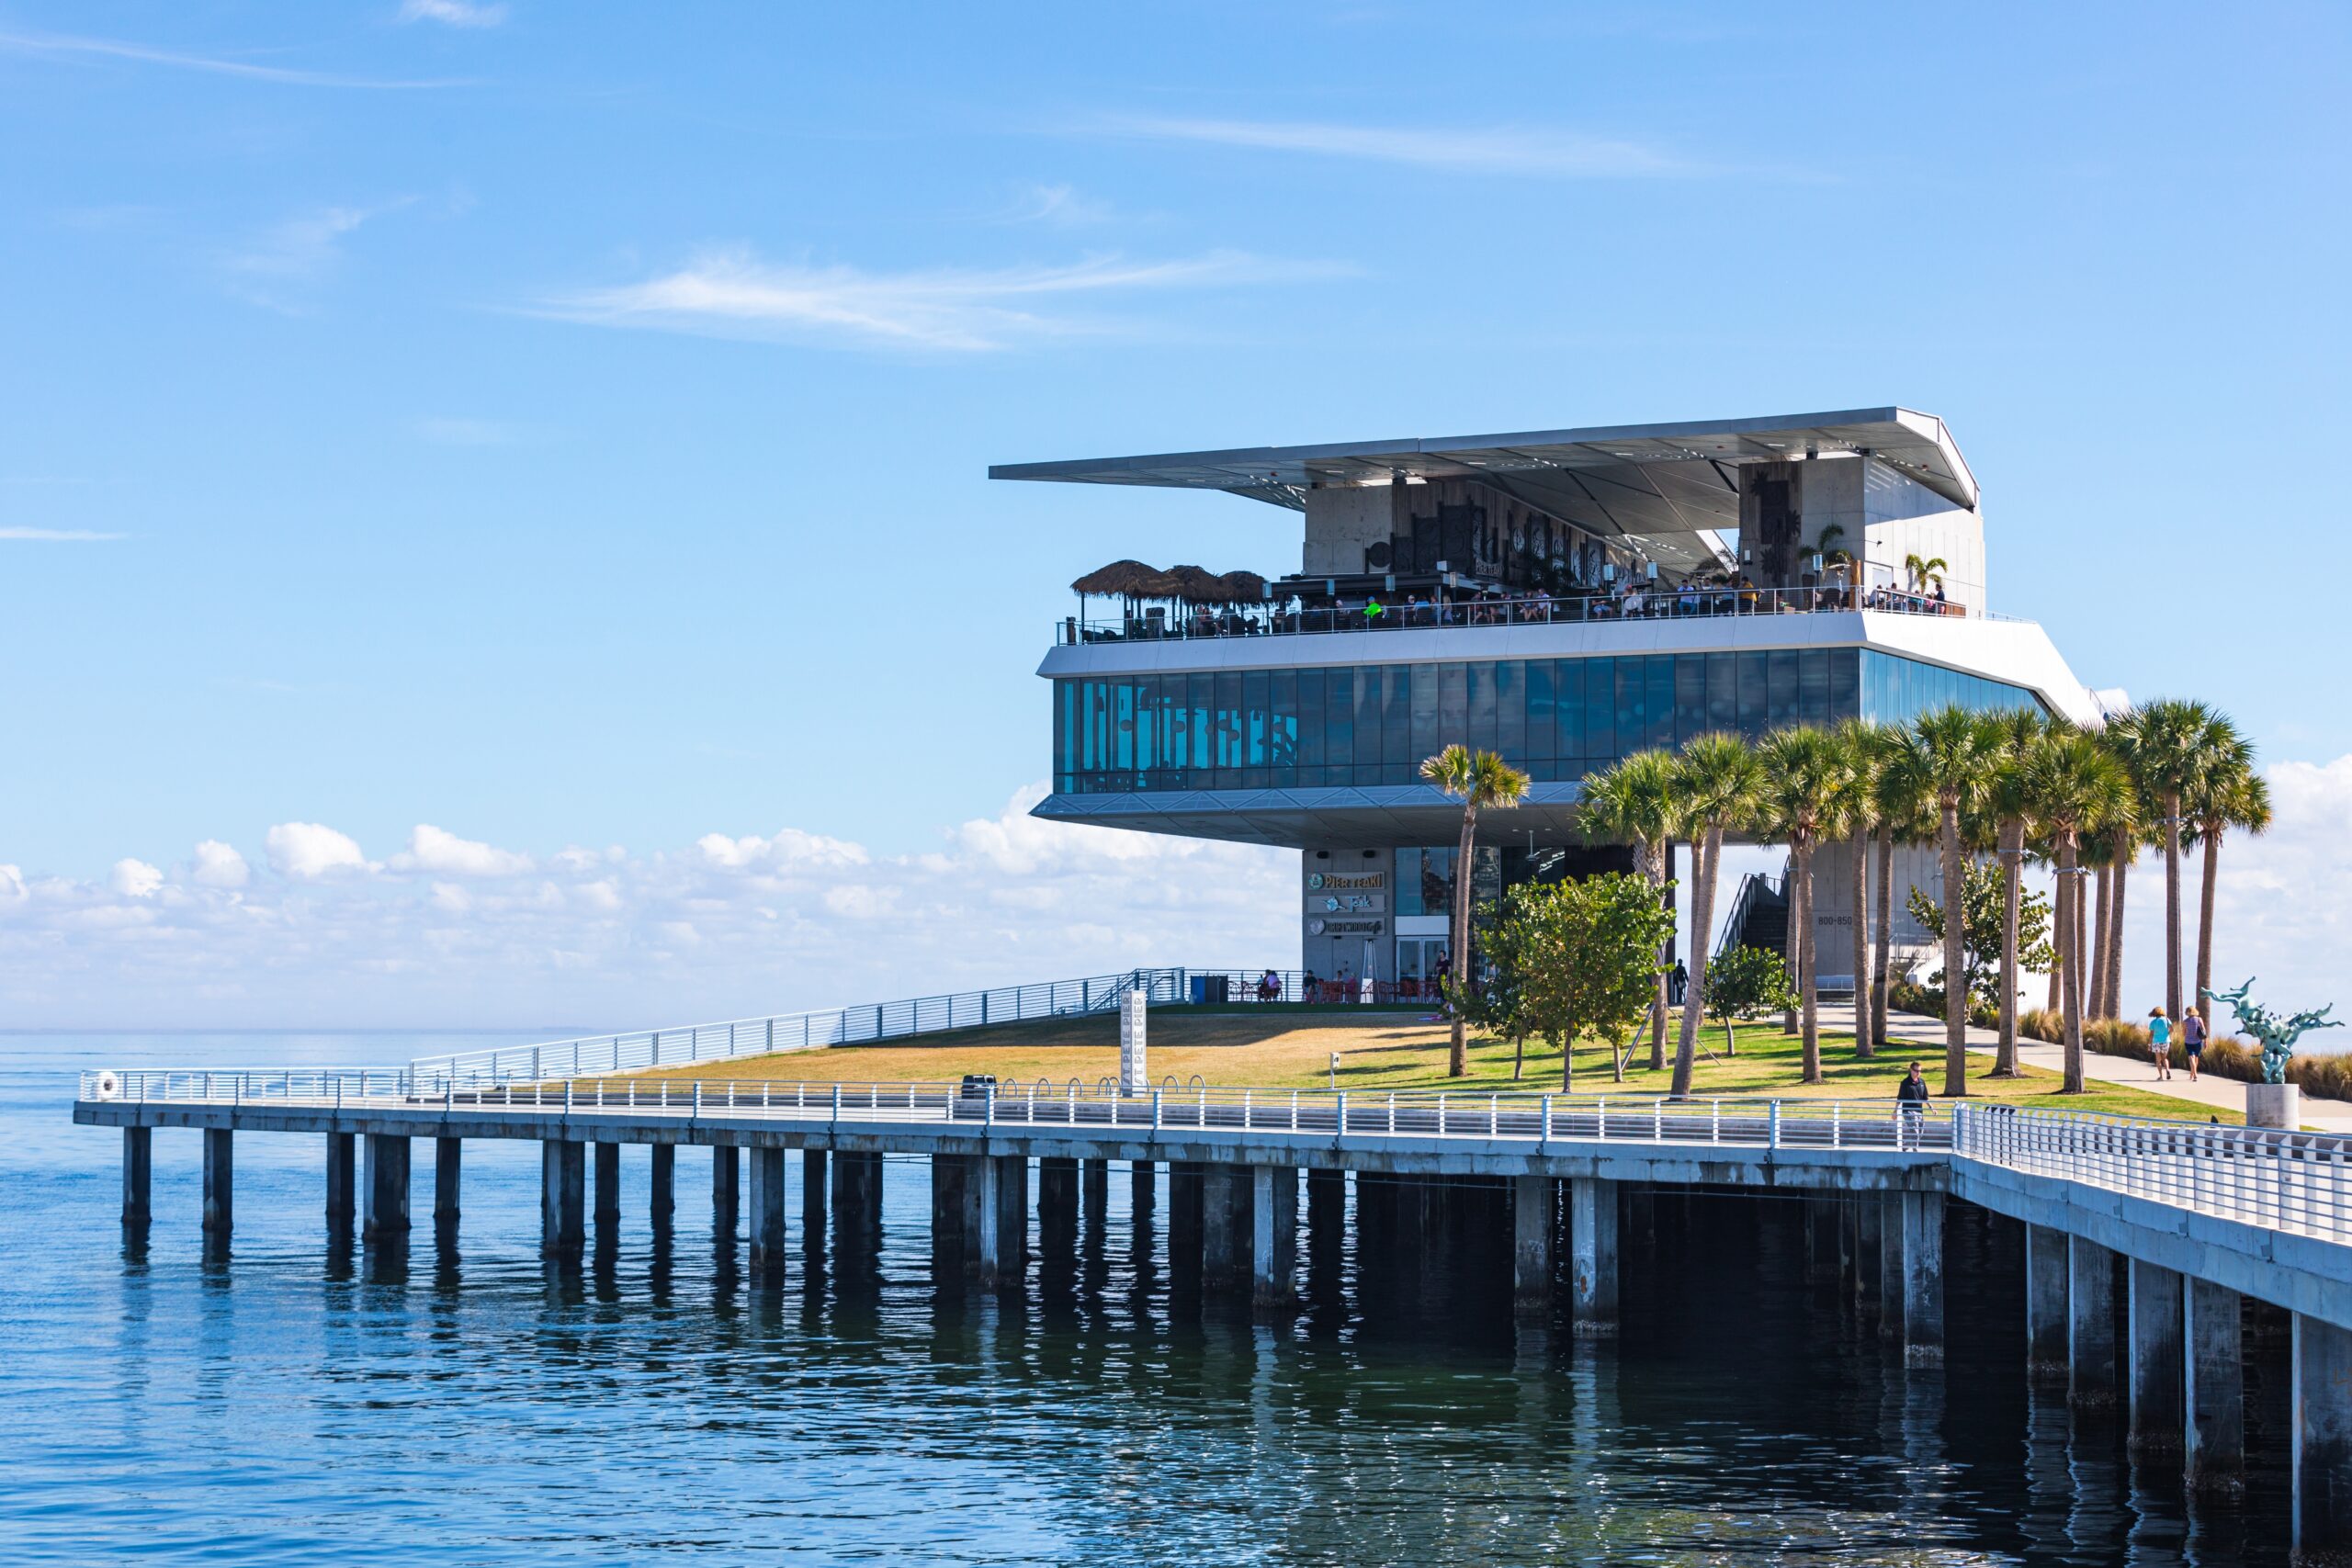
column 1132, row 1073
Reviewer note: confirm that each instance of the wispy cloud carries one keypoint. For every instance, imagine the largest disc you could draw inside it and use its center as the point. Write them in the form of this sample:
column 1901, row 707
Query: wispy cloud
column 1062, row 205
column 111, row 49
column 296, row 251
column 957, row 309
column 56, row 536
column 1502, row 150
column 452, row 13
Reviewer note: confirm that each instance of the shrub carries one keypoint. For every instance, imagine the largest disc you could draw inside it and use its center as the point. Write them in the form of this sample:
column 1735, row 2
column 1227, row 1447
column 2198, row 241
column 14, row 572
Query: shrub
column 2042, row 1024
column 1907, row 994
column 2323, row 1077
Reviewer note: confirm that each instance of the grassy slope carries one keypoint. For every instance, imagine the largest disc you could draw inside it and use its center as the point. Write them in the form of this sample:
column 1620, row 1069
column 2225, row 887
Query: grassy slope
column 1288, row 1050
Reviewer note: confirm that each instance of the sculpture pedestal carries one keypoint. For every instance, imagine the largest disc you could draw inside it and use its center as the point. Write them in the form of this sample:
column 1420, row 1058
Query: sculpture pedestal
column 2274, row 1105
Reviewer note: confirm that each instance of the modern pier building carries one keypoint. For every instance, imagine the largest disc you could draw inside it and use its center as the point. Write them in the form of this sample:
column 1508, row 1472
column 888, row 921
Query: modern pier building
column 1564, row 597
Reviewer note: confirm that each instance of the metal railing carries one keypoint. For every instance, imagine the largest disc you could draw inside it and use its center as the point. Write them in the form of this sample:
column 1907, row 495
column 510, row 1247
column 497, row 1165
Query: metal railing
column 2280, row 1181
column 1442, row 1113
column 1386, row 613
column 865, row 1023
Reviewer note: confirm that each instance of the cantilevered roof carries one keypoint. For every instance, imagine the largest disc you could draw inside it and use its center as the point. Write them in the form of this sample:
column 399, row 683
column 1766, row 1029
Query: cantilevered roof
column 1644, row 479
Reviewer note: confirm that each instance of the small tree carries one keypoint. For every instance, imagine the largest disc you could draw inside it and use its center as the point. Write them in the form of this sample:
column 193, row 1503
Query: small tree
column 1496, row 1004
column 1585, row 957
column 1984, row 912
column 1746, row 982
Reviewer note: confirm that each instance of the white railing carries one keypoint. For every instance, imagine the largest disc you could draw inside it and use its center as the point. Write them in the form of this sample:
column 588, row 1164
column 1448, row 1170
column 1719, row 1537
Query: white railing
column 2280, row 1181
column 1444, row 1114
column 865, row 1023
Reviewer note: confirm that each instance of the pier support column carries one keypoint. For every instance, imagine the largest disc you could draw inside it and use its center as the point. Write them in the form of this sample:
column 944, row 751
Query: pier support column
column 662, row 1197
column 766, row 1211
column 342, row 1182
column 1821, row 1243
column 2321, row 1433
column 949, row 1179
column 814, row 1182
column 1868, row 1213
column 1186, row 1222
column 2090, row 1325
column 726, row 1183
column 1923, row 1279
column 1530, row 1225
column 563, row 1181
column 384, row 1184
column 1592, row 1255
column 1056, row 1205
column 2045, row 1304
column 2154, row 1356
column 219, row 1179
column 1094, row 1194
column 137, row 1174
column 2213, row 1435
column 1890, row 1265
column 857, row 1195
column 608, row 1185
column 983, row 1257
column 1011, row 1219
column 448, row 1162
column 1143, row 1189
column 1225, row 1224
column 1273, row 1240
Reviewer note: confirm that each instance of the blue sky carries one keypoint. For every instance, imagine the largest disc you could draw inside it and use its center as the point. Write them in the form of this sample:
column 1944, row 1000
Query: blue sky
column 566, row 426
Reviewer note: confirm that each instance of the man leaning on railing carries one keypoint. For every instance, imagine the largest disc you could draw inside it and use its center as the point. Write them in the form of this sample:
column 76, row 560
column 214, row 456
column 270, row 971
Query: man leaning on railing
column 1910, row 1106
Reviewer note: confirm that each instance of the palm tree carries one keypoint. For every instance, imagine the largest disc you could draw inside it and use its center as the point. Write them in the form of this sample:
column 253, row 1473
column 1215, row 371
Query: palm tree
column 2228, row 793
column 2020, row 729
column 1636, row 802
column 1479, row 780
column 1951, row 755
column 2165, row 750
column 2072, row 784
column 2125, row 835
column 1802, row 772
column 1902, row 809
column 1715, row 779
column 1868, row 747
column 1924, row 571
column 2099, row 855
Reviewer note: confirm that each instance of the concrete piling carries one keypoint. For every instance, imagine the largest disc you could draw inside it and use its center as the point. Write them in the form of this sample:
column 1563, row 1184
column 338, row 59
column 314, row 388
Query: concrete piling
column 1532, row 1225
column 137, row 1174
column 2321, row 1440
column 766, row 1211
column 2046, row 1355
column 2213, row 1433
column 726, row 1183
column 1143, row 1190
column 343, row 1198
column 857, row 1196
column 449, row 1157
column 608, row 1185
column 384, row 1184
column 1056, row 1205
column 983, row 1256
column 2153, row 1357
column 1891, row 1275
column 1011, row 1190
column 2090, row 1325
column 219, row 1179
column 564, row 1180
column 815, row 1184
column 1923, row 1279
column 1273, row 1242
column 1225, row 1224
column 1592, row 1255
column 1094, row 1193
column 662, row 1195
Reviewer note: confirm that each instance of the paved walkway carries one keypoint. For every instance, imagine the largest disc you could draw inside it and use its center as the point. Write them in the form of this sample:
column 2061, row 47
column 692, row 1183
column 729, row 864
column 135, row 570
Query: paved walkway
column 2212, row 1090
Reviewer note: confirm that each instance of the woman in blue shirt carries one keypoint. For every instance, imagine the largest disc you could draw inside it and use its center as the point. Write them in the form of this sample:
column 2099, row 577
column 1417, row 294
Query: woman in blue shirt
column 2160, row 1041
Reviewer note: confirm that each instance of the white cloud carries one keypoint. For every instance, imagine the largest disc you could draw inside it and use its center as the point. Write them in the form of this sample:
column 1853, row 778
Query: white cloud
column 1500, row 150
column 134, row 879
column 1062, row 206
column 307, row 851
column 109, row 49
column 431, row 849
column 954, row 310
column 55, row 535
column 12, row 888
column 790, row 848
column 219, row 865
column 452, row 13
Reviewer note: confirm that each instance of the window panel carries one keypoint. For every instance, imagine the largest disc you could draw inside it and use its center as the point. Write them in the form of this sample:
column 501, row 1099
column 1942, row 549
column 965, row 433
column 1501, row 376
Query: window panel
column 1689, row 696
column 1812, row 686
column 1658, row 701
column 1568, row 708
column 1599, row 711
column 1537, row 724
column 1422, row 735
column 1396, row 719
column 1780, row 686
column 1722, row 691
column 1453, row 708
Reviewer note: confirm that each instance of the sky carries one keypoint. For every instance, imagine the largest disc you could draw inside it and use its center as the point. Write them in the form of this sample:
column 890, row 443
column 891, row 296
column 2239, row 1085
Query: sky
column 493, row 513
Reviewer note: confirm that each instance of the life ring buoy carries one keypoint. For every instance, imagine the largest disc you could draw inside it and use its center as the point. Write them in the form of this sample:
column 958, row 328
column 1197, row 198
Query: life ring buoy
column 108, row 1085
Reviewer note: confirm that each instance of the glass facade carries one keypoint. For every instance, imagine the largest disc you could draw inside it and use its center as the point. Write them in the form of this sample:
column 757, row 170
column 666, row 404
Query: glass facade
column 1558, row 718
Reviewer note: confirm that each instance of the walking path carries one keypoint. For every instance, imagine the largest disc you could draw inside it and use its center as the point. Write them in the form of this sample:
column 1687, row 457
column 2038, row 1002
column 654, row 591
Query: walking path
column 2212, row 1090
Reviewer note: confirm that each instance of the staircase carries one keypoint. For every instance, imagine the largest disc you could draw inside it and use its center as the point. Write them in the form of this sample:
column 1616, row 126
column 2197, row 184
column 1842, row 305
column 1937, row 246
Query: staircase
column 1760, row 915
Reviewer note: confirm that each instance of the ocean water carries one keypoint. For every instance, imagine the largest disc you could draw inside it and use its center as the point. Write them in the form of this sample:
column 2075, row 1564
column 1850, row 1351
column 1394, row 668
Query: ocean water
column 288, row 1400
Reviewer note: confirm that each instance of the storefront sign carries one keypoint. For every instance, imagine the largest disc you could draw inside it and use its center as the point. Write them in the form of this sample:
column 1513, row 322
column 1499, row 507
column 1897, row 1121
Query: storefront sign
column 1346, row 903
column 1345, row 928
column 1322, row 881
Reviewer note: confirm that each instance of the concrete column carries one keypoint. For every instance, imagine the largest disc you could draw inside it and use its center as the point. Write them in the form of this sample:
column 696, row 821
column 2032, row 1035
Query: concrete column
column 449, row 1157
column 983, row 1257
column 1273, row 1241
column 1185, row 1222
column 608, row 1184
column 2320, row 1446
column 2153, row 1355
column 1868, row 1213
column 1923, row 1279
column 563, row 1180
column 342, row 1182
column 949, row 1180
column 1592, row 1255
column 766, row 1211
column 1641, row 1217
column 814, row 1182
column 1820, row 1235
column 2045, row 1304
column 1225, row 1222
column 1011, row 1192
column 219, row 1177
column 2214, row 1433
column 137, row 1174
column 857, row 1195
column 1094, row 1194
column 2090, row 1325
column 726, row 1182
column 661, row 1199
column 1056, row 1205
column 384, row 1184
column 1143, row 1188
column 1530, row 1225
column 1890, row 1265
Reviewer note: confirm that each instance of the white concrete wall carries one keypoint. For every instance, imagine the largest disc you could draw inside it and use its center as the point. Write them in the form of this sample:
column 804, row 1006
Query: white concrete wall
column 1341, row 522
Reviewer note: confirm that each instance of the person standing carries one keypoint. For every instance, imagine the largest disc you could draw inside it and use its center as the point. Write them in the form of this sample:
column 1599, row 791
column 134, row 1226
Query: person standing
column 2192, row 1040
column 2160, row 1042
column 1910, row 1106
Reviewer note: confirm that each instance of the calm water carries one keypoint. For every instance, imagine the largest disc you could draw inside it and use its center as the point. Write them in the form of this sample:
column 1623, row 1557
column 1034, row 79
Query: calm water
column 296, row 1403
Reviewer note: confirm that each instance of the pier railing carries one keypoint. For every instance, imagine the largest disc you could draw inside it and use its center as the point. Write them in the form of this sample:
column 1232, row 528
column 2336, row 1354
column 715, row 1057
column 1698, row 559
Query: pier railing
column 2280, row 1181
column 864, row 1024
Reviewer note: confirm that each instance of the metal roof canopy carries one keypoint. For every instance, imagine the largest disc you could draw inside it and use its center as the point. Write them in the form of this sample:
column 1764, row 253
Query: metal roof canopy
column 1633, row 480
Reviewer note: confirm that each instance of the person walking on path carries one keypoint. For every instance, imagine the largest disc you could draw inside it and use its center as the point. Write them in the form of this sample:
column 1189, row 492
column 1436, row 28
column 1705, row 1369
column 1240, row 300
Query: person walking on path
column 1910, row 1105
column 2160, row 1042
column 2192, row 1040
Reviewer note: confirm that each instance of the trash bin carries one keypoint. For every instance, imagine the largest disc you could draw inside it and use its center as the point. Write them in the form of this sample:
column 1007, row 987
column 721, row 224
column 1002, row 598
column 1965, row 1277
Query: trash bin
column 1217, row 988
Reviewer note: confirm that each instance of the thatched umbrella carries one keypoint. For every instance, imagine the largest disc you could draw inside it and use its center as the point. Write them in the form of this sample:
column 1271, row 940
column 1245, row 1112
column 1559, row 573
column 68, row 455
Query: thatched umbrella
column 1244, row 588
column 1196, row 585
column 1127, row 579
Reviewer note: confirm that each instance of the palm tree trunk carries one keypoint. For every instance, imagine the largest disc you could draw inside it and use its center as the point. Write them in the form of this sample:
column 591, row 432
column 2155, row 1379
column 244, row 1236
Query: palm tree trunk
column 2121, row 850
column 1661, row 872
column 2172, row 905
column 1955, row 978
column 2212, row 834
column 1880, row 965
column 2070, row 897
column 1861, row 888
column 2101, row 1005
column 2005, row 1059
column 1457, row 1056
column 1808, row 997
column 1703, row 853
column 1792, row 944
